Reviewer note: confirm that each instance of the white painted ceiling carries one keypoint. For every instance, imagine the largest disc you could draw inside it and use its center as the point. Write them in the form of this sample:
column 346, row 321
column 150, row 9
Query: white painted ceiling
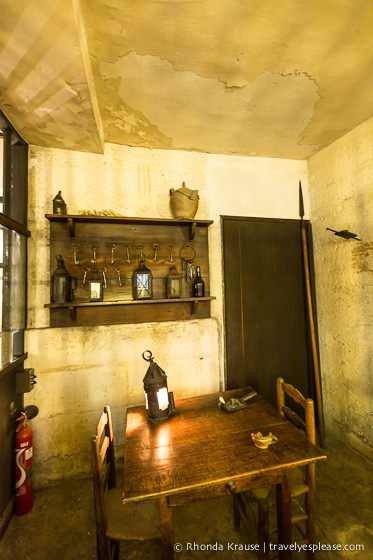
column 272, row 78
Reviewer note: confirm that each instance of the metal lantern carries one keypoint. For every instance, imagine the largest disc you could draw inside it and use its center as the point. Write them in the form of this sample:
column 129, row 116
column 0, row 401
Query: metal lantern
column 62, row 289
column 173, row 283
column 159, row 402
column 142, row 280
column 59, row 205
column 96, row 287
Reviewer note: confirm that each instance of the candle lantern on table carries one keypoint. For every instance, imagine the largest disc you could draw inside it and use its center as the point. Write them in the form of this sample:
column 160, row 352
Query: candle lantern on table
column 159, row 402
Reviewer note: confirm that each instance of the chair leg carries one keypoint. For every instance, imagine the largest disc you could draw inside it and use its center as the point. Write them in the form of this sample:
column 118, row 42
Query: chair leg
column 263, row 530
column 310, row 510
column 236, row 512
column 102, row 547
column 310, row 554
column 114, row 549
column 283, row 500
column 167, row 533
column 310, row 525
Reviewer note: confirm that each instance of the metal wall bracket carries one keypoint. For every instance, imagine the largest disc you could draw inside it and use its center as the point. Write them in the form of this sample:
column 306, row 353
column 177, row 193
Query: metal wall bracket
column 25, row 380
column 72, row 312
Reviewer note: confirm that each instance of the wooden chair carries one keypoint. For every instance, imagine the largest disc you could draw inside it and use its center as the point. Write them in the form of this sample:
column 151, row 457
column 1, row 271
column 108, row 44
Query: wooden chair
column 114, row 521
column 261, row 502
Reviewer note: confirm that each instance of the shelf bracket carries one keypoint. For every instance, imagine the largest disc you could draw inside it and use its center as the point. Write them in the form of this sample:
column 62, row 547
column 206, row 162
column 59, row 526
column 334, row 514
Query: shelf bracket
column 192, row 230
column 194, row 307
column 72, row 312
column 71, row 224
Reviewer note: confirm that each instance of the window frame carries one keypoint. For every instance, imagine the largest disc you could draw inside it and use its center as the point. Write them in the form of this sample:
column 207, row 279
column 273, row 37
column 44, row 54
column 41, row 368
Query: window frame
column 14, row 183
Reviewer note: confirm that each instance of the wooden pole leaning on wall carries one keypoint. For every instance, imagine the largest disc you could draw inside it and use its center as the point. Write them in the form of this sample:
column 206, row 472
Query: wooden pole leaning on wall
column 315, row 357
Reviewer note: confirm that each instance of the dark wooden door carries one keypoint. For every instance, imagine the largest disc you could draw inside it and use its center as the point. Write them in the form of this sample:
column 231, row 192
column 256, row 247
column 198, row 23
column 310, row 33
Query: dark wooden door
column 265, row 305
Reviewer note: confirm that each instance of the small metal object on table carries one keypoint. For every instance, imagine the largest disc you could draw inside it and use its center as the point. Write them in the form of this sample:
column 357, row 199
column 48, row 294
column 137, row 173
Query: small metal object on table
column 236, row 404
column 194, row 466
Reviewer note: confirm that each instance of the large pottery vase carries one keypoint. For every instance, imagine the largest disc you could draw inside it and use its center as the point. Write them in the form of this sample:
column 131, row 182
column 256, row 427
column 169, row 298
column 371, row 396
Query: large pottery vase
column 184, row 202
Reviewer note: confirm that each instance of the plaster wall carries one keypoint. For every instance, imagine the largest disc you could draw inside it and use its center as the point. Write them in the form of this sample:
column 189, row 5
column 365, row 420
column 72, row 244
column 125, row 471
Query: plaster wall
column 81, row 369
column 341, row 197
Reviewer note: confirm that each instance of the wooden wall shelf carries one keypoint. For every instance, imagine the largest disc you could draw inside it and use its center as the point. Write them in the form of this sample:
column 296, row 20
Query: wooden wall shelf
column 73, row 219
column 82, row 232
column 123, row 317
column 129, row 302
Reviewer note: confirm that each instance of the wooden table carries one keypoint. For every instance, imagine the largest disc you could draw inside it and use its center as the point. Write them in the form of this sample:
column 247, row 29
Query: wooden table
column 203, row 452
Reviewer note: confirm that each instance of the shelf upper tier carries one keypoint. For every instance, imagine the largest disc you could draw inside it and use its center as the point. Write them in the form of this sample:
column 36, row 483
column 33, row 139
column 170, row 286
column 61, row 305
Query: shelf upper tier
column 72, row 219
column 117, row 219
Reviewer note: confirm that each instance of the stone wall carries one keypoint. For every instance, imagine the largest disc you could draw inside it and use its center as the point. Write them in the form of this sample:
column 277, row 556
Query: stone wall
column 81, row 369
column 341, row 197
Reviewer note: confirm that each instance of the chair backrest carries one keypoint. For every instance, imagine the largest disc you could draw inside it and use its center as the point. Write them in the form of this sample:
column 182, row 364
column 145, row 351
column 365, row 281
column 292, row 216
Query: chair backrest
column 309, row 425
column 103, row 467
column 310, row 479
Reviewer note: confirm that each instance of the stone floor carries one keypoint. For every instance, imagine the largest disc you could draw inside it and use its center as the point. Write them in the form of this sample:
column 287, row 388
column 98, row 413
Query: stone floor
column 61, row 525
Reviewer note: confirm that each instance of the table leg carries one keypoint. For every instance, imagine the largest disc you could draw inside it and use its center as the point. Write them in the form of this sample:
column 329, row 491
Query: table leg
column 167, row 532
column 283, row 494
column 236, row 511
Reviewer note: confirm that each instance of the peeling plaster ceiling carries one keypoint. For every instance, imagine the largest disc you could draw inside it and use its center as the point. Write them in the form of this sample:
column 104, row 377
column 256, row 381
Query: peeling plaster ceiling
column 271, row 78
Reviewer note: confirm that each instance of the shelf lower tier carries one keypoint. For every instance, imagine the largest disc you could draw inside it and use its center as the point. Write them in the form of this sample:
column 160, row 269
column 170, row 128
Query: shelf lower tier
column 141, row 311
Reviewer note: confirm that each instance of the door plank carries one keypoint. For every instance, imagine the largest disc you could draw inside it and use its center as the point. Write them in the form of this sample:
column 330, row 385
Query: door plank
column 265, row 306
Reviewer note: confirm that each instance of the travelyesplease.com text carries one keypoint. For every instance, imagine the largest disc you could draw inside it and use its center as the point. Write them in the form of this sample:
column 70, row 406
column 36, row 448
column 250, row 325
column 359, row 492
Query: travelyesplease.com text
column 294, row 547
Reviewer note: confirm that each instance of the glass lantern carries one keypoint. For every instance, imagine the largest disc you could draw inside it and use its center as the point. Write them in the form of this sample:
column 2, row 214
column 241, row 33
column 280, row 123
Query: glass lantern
column 173, row 283
column 96, row 287
column 142, row 280
column 59, row 205
column 159, row 402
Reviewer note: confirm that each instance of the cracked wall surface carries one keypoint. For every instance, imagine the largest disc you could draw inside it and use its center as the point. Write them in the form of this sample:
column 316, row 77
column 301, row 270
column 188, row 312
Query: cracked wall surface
column 273, row 79
column 267, row 115
column 341, row 197
column 43, row 83
column 263, row 78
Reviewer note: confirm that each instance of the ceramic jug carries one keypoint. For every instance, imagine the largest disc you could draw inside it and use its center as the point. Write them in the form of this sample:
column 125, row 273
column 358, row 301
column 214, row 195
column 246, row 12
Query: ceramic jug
column 184, row 202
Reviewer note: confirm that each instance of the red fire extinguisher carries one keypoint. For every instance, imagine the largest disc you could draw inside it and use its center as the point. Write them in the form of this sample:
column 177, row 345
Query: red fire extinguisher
column 24, row 459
